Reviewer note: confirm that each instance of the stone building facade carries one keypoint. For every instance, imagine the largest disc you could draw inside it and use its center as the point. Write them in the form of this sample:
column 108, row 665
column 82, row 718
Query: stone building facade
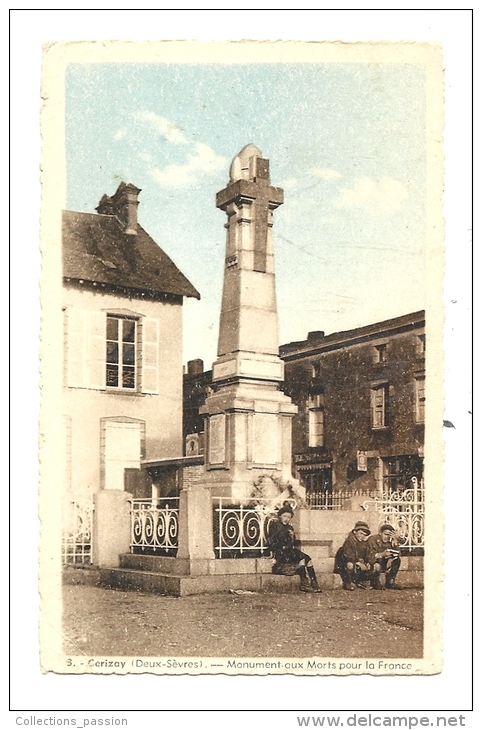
column 361, row 407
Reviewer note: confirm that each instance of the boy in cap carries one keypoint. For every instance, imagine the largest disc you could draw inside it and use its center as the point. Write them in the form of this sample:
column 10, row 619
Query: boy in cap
column 385, row 557
column 289, row 559
column 352, row 559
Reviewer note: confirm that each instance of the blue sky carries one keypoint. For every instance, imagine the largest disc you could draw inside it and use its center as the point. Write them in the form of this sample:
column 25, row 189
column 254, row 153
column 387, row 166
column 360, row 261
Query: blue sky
column 345, row 141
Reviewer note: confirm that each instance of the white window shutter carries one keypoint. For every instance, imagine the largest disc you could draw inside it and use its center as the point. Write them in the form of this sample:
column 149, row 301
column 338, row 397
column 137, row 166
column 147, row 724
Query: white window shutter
column 150, row 355
column 97, row 350
column 77, row 325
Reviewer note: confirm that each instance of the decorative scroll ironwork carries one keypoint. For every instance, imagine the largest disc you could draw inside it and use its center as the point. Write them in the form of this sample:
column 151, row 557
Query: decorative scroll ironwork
column 405, row 510
column 155, row 526
column 241, row 530
column 77, row 515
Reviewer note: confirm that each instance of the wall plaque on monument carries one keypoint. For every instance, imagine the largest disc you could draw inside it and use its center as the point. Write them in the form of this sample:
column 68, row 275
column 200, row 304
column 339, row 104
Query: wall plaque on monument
column 265, row 439
column 217, row 439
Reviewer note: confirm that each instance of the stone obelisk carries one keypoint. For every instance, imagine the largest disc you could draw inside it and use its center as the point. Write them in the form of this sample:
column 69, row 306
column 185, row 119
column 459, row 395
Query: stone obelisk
column 247, row 417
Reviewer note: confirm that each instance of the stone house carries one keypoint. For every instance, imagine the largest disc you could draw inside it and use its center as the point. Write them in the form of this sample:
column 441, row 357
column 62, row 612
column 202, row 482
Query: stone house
column 361, row 407
column 360, row 396
column 122, row 390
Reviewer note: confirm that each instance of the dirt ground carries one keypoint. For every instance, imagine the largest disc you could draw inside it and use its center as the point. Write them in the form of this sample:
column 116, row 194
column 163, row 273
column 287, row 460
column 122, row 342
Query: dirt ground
column 105, row 622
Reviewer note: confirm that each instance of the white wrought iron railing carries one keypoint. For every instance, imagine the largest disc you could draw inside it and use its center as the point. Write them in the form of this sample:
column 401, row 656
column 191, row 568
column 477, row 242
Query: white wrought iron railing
column 77, row 513
column 155, row 526
column 241, row 530
column 336, row 500
column 405, row 511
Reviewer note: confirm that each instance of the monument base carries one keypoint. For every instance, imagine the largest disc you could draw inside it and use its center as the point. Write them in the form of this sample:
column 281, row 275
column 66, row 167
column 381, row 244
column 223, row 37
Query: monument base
column 248, row 437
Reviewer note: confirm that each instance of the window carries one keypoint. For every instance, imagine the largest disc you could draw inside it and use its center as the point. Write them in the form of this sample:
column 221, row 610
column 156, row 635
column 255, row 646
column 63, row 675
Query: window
column 420, row 399
column 379, row 405
column 121, row 353
column 318, row 484
column 316, row 420
column 399, row 472
column 116, row 350
column 420, row 345
column 316, row 369
column 380, row 353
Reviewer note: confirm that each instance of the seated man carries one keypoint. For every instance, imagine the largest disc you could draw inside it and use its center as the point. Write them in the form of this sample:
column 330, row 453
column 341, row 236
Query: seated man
column 385, row 557
column 289, row 559
column 352, row 559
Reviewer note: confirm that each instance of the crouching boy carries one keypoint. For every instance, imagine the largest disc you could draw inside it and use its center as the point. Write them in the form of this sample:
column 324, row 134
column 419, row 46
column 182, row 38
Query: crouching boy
column 352, row 560
column 385, row 557
column 288, row 557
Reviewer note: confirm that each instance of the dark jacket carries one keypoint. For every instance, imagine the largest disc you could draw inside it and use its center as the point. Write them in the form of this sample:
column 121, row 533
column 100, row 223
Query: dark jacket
column 282, row 541
column 354, row 551
column 376, row 545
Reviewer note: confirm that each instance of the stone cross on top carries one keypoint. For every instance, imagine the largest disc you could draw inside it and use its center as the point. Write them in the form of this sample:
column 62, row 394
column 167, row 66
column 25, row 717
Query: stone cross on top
column 248, row 417
column 250, row 198
column 248, row 322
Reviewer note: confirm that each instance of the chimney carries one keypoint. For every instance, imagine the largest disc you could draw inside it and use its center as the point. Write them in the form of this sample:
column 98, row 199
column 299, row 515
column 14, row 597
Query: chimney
column 315, row 337
column 195, row 367
column 122, row 204
column 105, row 206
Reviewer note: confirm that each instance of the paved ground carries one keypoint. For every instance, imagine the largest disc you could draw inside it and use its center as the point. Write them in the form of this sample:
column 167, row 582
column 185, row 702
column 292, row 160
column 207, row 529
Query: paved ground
column 104, row 622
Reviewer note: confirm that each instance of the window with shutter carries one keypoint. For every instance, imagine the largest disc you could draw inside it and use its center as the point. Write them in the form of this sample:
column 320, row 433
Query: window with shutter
column 76, row 345
column 85, row 344
column 96, row 350
column 120, row 346
column 150, row 355
column 111, row 351
column 379, row 406
column 380, row 353
column 316, row 420
column 420, row 399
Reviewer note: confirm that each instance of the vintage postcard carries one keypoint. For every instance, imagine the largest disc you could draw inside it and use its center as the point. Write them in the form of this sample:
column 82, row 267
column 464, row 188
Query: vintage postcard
column 241, row 442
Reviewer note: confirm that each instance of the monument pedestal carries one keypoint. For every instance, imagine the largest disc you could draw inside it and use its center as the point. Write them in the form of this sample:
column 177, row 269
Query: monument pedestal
column 248, row 435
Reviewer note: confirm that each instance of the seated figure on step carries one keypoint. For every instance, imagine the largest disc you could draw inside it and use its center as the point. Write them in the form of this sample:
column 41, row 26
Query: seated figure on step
column 288, row 557
column 352, row 560
column 385, row 557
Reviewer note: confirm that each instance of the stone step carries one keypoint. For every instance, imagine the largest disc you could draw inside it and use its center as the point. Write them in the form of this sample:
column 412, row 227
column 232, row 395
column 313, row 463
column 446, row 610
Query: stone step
column 182, row 585
column 410, row 575
column 179, row 566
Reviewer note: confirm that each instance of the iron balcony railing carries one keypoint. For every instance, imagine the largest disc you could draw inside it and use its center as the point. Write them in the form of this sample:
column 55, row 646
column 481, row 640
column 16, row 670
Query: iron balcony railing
column 405, row 511
column 154, row 526
column 77, row 514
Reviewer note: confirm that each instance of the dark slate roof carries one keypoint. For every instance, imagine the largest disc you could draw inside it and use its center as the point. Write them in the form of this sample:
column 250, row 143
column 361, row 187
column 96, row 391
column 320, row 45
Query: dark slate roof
column 387, row 327
column 96, row 249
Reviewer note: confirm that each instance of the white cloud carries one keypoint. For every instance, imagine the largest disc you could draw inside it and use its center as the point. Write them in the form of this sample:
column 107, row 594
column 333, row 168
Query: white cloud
column 326, row 173
column 204, row 161
column 120, row 134
column 169, row 130
column 375, row 196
